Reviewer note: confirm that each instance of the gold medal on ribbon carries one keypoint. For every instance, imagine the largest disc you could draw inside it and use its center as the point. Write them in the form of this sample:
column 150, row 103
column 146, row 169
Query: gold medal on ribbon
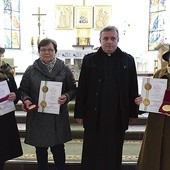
column 166, row 108
column 146, row 102
column 148, row 86
column 45, row 89
column 43, row 104
column 32, row 106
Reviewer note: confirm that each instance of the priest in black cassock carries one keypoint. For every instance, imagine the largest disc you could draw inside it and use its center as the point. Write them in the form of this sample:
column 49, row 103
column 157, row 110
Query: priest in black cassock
column 105, row 102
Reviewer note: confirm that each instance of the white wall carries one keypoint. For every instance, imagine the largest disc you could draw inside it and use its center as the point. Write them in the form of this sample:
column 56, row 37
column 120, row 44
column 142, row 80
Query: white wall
column 135, row 12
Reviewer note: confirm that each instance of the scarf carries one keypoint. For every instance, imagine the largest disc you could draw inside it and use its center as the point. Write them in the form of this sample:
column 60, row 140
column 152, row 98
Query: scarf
column 50, row 65
column 6, row 71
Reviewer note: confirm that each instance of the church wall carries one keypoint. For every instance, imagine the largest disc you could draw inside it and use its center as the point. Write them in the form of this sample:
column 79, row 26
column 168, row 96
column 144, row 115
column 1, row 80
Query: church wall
column 131, row 16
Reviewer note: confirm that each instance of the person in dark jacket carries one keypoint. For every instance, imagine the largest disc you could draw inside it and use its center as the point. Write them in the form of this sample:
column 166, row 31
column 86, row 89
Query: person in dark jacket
column 10, row 145
column 44, row 130
column 105, row 102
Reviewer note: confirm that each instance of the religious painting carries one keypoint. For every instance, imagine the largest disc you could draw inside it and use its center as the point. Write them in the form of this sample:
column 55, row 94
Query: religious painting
column 83, row 16
column 102, row 16
column 12, row 24
column 64, row 17
column 156, row 24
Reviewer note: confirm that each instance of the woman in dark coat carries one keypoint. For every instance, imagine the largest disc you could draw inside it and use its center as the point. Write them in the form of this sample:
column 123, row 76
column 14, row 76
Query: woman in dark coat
column 46, row 130
column 10, row 146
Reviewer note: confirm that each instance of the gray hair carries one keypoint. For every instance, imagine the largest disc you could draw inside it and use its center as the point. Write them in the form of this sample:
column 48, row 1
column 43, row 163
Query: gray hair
column 109, row 28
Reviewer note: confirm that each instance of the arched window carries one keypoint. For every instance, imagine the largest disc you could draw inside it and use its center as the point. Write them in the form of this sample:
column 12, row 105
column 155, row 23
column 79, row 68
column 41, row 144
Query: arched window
column 12, row 24
column 156, row 23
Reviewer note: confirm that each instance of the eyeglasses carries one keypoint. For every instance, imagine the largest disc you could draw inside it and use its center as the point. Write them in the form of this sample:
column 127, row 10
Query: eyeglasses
column 107, row 38
column 46, row 50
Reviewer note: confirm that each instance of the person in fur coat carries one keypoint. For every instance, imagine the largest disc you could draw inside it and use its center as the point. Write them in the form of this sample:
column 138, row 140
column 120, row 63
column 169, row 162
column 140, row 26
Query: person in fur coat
column 10, row 145
column 155, row 150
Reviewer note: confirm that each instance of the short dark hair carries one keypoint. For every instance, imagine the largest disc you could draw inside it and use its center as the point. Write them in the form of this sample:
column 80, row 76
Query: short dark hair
column 45, row 42
column 109, row 28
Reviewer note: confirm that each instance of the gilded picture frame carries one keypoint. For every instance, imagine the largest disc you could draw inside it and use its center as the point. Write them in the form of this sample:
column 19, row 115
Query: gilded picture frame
column 64, row 17
column 83, row 16
column 102, row 16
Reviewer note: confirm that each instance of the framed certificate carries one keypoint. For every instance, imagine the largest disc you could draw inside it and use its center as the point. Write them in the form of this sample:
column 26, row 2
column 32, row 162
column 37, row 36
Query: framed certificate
column 153, row 90
column 50, row 91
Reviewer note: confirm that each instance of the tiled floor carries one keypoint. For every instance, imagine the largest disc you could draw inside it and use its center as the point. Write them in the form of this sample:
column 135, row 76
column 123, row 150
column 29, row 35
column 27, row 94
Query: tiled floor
column 74, row 148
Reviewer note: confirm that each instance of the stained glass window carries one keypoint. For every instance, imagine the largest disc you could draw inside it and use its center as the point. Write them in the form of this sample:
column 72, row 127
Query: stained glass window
column 12, row 24
column 156, row 23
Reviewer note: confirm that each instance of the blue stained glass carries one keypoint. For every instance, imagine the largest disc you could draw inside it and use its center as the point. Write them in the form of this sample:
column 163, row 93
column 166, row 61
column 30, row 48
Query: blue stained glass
column 156, row 23
column 12, row 24
column 154, row 38
column 7, row 5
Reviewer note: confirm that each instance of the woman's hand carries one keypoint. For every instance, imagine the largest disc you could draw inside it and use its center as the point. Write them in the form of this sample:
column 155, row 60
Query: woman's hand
column 26, row 104
column 11, row 96
column 62, row 99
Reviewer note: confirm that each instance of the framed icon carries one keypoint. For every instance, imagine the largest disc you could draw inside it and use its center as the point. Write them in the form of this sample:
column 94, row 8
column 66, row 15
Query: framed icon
column 83, row 16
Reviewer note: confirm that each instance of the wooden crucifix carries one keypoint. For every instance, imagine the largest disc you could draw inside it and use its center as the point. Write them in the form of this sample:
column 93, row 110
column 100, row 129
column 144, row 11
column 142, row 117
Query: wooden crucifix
column 39, row 20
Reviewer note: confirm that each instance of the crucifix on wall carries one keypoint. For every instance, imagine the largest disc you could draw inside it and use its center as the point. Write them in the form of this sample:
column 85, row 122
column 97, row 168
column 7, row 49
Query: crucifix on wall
column 39, row 20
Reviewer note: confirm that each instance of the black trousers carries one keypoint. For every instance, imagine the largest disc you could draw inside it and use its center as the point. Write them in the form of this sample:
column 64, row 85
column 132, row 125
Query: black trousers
column 58, row 152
